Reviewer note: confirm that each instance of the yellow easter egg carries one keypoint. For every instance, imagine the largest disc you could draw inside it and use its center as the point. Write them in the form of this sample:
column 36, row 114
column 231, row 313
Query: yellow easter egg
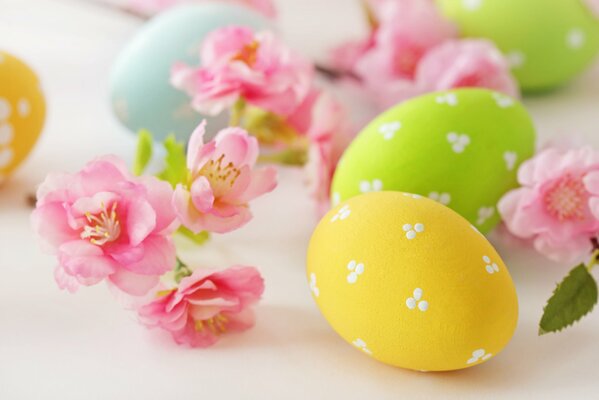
column 411, row 283
column 22, row 112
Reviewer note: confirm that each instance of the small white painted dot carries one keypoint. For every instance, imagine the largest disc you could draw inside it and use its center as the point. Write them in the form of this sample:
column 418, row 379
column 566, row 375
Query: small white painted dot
column 478, row 353
column 515, row 59
column 472, row 5
column 23, row 107
column 417, row 293
column 6, row 157
column 5, row 109
column 575, row 38
column 6, row 133
column 486, row 259
column 411, row 303
column 411, row 235
column 419, row 228
column 423, row 305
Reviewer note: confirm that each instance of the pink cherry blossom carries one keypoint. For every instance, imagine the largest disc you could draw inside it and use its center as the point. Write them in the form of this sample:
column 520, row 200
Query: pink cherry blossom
column 407, row 30
column 465, row 63
column 104, row 224
column 557, row 206
column 206, row 305
column 150, row 7
column 329, row 134
column 237, row 63
column 222, row 180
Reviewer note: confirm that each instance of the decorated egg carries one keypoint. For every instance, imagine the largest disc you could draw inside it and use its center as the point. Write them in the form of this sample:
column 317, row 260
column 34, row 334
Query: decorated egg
column 546, row 42
column 411, row 283
column 22, row 112
column 142, row 96
column 460, row 147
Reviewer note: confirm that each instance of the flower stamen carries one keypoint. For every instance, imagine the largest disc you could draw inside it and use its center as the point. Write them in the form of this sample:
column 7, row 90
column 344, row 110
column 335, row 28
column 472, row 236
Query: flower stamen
column 102, row 228
column 221, row 178
column 248, row 54
column 216, row 325
column 567, row 198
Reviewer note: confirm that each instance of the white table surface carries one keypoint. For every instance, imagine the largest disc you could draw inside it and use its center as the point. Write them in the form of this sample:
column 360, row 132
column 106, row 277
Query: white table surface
column 57, row 345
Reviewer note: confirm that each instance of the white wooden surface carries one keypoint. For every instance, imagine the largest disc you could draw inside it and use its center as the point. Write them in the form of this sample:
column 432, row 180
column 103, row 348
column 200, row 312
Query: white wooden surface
column 84, row 346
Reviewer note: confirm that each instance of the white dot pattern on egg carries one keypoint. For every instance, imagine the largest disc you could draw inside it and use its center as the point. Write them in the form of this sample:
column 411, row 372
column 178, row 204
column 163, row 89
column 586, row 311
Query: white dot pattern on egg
column 315, row 290
column 342, row 214
column 417, row 301
column 389, row 129
column 450, row 99
column 478, row 355
column 412, row 231
column 575, row 38
column 472, row 5
column 375, row 186
column 355, row 270
column 443, row 198
column 360, row 344
column 458, row 141
column 515, row 59
column 490, row 267
column 484, row 213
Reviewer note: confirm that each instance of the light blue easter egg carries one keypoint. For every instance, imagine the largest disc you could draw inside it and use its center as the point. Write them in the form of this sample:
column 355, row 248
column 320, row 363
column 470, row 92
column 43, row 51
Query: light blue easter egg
column 141, row 95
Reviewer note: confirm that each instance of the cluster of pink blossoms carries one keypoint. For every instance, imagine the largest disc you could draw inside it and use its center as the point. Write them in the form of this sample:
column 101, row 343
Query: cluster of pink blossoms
column 104, row 224
column 242, row 71
column 412, row 49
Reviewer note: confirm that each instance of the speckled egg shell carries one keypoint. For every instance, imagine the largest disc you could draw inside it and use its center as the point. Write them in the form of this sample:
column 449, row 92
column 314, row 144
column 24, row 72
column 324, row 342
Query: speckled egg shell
column 461, row 148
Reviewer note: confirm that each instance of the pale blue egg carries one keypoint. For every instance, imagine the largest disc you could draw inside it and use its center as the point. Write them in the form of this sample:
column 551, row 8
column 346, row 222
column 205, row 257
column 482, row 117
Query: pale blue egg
column 141, row 94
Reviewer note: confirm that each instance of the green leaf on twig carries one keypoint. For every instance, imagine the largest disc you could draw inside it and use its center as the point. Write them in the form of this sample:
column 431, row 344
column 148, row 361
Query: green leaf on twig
column 143, row 153
column 175, row 170
column 572, row 299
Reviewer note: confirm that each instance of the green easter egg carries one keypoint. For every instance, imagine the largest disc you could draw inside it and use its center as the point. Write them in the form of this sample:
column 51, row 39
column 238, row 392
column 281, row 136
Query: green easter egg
column 547, row 42
column 461, row 147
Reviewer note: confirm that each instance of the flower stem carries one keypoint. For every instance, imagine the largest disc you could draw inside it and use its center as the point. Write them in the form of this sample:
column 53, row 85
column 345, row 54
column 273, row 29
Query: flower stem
column 181, row 270
column 237, row 112
column 296, row 157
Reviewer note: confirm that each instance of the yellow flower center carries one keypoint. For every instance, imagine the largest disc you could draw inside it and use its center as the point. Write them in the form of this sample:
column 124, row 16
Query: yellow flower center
column 221, row 177
column 216, row 325
column 103, row 227
column 248, row 54
column 567, row 199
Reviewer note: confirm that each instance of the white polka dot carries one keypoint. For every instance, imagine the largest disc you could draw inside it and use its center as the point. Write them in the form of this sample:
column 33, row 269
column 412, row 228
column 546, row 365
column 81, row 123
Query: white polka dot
column 575, row 38
column 23, row 107
column 411, row 303
column 417, row 293
column 489, row 269
column 419, row 228
column 6, row 156
column 486, row 259
column 423, row 305
column 411, row 235
column 5, row 109
column 6, row 133
column 472, row 5
column 478, row 353
column 515, row 59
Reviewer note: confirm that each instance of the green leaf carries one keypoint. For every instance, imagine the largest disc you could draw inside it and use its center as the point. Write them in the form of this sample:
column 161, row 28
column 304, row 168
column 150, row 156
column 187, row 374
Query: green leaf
column 175, row 170
column 197, row 238
column 143, row 154
column 572, row 299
